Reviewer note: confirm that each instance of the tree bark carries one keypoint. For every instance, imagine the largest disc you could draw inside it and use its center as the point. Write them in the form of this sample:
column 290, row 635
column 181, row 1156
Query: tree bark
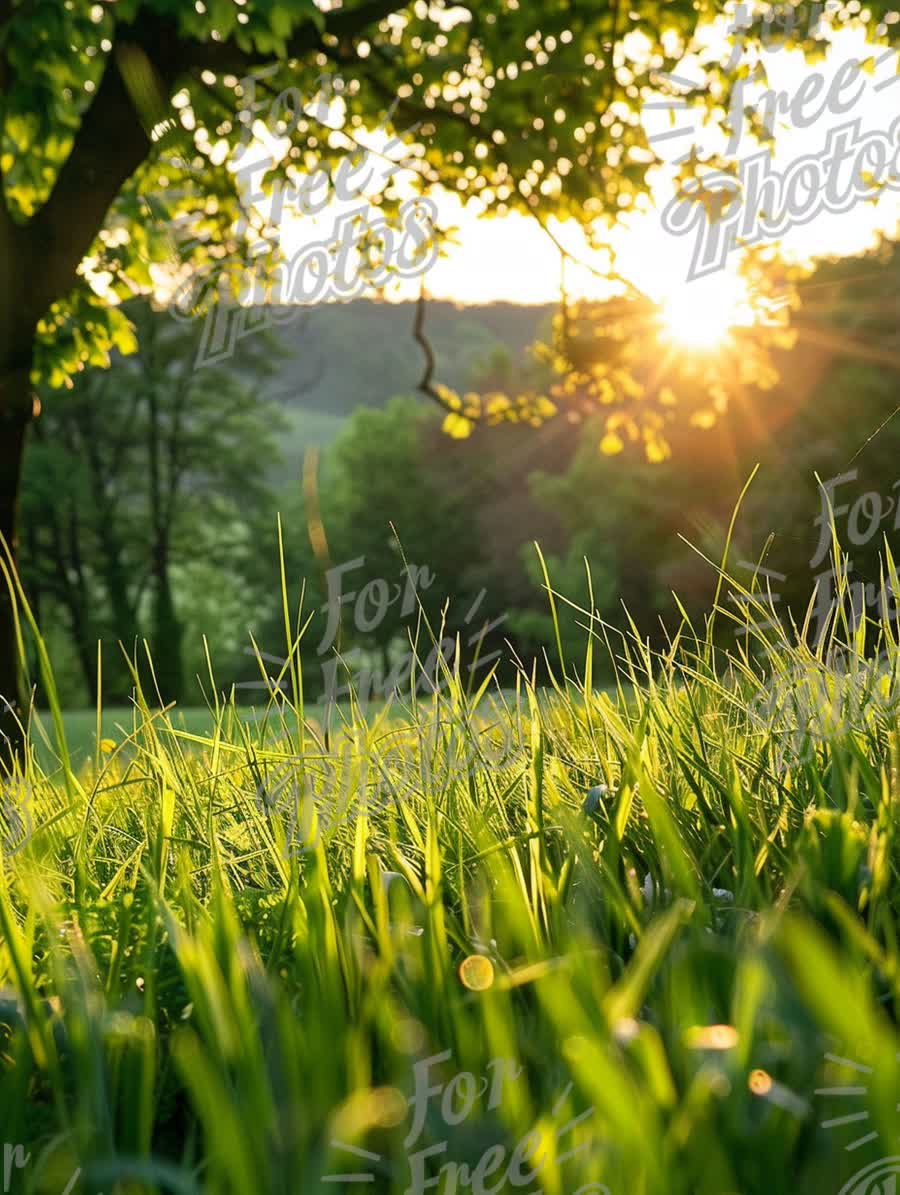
column 166, row 643
column 39, row 261
column 167, row 632
column 113, row 567
column 16, row 409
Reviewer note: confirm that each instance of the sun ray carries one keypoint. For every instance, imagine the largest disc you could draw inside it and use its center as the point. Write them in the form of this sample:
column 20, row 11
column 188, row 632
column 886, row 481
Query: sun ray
column 701, row 315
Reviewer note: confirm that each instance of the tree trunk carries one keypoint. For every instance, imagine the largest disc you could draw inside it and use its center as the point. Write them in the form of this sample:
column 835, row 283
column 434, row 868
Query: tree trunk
column 85, row 650
column 16, row 408
column 117, row 680
column 167, row 630
column 112, row 568
column 167, row 634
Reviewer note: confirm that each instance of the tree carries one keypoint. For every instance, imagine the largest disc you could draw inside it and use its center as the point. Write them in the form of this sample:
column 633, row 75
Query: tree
column 621, row 519
column 144, row 467
column 823, row 445
column 387, row 510
column 391, row 537
column 88, row 124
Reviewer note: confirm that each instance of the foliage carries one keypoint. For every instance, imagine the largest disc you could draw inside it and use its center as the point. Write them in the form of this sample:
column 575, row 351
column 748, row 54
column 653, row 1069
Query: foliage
column 847, row 349
column 619, row 550
column 144, row 472
column 668, row 966
column 631, row 521
column 615, row 355
column 384, row 528
column 470, row 98
column 500, row 490
column 385, row 496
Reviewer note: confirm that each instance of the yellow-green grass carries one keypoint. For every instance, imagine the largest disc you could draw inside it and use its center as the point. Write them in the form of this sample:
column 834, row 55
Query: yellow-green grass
column 233, row 954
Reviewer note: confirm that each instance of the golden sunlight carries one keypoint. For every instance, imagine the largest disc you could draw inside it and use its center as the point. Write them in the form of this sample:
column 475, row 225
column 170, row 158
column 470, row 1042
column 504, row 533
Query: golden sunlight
column 694, row 326
column 699, row 315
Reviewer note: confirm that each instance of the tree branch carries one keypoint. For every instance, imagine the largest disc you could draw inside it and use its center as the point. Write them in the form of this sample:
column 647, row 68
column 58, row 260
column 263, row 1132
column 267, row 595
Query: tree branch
column 426, row 384
column 110, row 145
column 180, row 53
column 112, row 140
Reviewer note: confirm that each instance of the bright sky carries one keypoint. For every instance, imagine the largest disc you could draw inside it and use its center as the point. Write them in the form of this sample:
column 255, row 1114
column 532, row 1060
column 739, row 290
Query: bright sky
column 511, row 258
column 516, row 261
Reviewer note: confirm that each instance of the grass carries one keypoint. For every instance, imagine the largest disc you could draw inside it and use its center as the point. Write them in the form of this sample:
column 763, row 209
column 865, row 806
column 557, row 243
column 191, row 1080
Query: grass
column 570, row 942
column 116, row 722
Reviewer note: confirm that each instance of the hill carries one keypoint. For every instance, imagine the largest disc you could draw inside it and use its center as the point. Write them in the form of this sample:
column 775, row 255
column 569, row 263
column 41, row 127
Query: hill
column 341, row 356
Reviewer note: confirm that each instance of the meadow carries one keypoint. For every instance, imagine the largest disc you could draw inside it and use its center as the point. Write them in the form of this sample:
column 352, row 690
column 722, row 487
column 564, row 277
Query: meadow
column 562, row 940
column 487, row 869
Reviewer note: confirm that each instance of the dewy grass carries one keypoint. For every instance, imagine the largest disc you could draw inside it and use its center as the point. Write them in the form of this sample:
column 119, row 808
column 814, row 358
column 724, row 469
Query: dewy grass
column 403, row 950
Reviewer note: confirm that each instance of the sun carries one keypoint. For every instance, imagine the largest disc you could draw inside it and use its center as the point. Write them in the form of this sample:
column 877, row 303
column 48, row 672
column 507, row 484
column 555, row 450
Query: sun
column 701, row 314
column 702, row 328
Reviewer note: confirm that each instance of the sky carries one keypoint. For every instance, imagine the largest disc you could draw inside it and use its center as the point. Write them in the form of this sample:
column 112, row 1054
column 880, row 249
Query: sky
column 510, row 258
column 516, row 261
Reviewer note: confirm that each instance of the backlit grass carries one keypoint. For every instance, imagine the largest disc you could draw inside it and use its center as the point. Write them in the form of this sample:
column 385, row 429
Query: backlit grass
column 638, row 921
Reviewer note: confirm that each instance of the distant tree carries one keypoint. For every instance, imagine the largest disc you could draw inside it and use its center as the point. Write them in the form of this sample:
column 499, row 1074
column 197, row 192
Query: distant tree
column 89, row 133
column 373, row 505
column 848, row 346
column 158, row 464
column 384, row 505
column 623, row 519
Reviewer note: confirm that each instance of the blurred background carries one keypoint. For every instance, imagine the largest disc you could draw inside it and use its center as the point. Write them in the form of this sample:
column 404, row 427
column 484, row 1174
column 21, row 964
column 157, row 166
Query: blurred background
column 173, row 479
